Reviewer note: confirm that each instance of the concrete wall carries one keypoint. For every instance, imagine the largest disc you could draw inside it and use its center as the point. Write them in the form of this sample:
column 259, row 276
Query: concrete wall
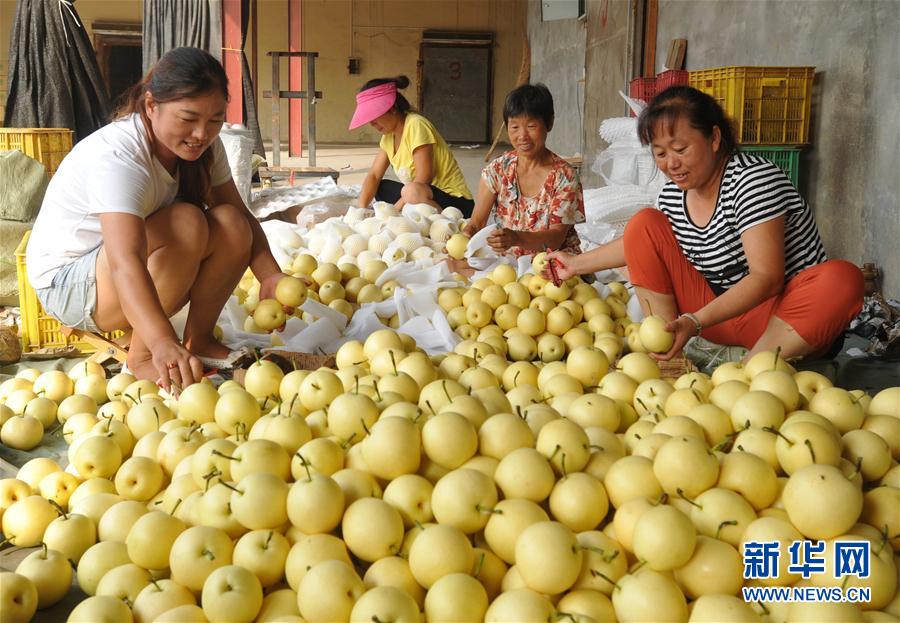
column 608, row 66
column 385, row 36
column 849, row 173
column 557, row 60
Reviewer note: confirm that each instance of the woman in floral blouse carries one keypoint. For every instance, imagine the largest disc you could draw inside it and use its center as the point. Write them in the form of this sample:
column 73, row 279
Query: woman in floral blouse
column 535, row 194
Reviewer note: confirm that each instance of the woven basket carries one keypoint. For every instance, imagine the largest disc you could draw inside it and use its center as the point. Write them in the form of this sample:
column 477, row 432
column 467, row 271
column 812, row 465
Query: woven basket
column 674, row 368
column 288, row 361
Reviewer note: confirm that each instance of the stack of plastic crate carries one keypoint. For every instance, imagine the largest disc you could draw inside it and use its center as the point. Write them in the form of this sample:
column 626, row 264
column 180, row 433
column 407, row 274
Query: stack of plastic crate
column 769, row 106
column 646, row 88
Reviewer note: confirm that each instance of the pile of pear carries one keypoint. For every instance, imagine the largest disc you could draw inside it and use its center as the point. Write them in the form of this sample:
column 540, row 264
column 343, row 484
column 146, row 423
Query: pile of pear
column 486, row 484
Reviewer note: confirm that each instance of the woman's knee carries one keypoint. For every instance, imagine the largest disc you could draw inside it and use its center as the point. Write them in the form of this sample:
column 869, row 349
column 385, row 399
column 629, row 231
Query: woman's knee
column 180, row 226
column 844, row 284
column 229, row 227
column 645, row 221
column 416, row 192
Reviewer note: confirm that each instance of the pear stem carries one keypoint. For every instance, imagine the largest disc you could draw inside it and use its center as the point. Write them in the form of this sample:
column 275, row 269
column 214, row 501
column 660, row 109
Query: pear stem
column 480, row 564
column 446, row 393
column 603, row 576
column 375, row 385
column 59, row 509
column 775, row 431
column 730, row 522
column 305, row 465
column 681, row 494
column 232, row 487
column 812, row 453
column 485, row 509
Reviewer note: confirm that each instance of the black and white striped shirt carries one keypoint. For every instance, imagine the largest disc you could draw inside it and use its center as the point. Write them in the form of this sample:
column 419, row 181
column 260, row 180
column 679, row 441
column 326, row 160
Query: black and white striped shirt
column 753, row 191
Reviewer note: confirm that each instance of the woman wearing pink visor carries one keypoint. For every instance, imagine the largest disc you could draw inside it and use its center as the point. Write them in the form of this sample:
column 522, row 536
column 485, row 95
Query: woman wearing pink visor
column 413, row 146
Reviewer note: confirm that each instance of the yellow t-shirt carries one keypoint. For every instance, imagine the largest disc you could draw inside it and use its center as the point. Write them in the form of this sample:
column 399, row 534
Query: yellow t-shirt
column 418, row 131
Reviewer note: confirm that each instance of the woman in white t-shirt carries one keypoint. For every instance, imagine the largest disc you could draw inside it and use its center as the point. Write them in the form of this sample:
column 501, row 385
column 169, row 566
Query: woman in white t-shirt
column 143, row 217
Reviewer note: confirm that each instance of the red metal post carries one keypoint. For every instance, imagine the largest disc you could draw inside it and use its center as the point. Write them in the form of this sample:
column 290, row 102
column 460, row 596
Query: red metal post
column 295, row 78
column 231, row 59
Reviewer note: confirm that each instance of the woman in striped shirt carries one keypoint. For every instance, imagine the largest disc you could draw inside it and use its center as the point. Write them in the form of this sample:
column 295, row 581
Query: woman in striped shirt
column 733, row 252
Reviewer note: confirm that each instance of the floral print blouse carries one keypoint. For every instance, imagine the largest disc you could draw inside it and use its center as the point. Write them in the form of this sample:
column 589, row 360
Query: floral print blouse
column 559, row 200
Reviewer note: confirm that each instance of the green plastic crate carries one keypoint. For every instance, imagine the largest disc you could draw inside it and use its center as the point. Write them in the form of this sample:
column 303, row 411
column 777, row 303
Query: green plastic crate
column 788, row 158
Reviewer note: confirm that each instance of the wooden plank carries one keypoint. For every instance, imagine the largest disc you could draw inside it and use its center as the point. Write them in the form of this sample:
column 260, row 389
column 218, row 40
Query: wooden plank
column 650, row 27
column 677, row 54
column 254, row 60
column 231, row 59
column 276, row 110
column 295, row 80
column 283, row 173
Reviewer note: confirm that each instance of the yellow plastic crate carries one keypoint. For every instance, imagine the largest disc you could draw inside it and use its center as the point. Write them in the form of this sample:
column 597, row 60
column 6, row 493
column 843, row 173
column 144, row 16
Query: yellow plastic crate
column 39, row 329
column 46, row 145
column 769, row 105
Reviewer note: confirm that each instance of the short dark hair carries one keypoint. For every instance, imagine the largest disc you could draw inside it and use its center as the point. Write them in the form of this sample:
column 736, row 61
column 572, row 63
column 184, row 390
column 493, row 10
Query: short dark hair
column 401, row 103
column 532, row 100
column 702, row 111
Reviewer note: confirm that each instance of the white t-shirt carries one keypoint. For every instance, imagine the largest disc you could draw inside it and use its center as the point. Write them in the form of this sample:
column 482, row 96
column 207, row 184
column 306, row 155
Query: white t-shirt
column 112, row 170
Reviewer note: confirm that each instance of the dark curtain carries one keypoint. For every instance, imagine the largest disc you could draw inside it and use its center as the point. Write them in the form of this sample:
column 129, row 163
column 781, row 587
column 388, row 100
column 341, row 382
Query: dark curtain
column 197, row 23
column 176, row 23
column 54, row 80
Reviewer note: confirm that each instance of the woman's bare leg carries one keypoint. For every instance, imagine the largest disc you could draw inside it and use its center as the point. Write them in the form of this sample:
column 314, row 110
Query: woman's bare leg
column 656, row 303
column 416, row 192
column 226, row 257
column 779, row 334
column 177, row 237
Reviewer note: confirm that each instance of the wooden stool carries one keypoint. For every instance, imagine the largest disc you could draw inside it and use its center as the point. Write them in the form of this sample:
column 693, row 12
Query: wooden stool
column 106, row 349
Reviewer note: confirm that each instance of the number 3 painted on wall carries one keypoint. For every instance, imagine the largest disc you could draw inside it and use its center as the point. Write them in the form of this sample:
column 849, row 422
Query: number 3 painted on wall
column 455, row 70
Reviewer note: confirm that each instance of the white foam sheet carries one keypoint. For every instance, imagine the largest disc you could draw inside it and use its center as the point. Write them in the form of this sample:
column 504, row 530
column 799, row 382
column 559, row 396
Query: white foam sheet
column 478, row 242
column 292, row 327
column 316, row 309
column 410, row 273
column 434, row 336
column 634, row 306
column 364, row 323
column 270, row 201
column 281, row 236
column 313, row 339
column 484, row 259
column 479, row 253
column 421, row 301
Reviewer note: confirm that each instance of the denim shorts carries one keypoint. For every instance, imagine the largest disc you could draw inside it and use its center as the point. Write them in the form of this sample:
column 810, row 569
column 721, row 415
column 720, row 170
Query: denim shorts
column 72, row 296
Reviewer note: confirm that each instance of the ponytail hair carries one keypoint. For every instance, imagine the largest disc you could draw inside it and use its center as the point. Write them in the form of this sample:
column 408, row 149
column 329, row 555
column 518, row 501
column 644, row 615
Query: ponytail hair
column 180, row 73
column 401, row 104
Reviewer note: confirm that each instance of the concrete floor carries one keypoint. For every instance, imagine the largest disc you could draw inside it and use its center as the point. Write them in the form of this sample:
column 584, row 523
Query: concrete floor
column 353, row 161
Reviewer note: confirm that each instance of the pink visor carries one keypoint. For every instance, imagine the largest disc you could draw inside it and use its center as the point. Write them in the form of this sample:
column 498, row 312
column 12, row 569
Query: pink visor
column 372, row 103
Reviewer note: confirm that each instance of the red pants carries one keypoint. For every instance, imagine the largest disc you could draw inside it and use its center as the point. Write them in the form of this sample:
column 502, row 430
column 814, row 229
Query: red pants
column 818, row 302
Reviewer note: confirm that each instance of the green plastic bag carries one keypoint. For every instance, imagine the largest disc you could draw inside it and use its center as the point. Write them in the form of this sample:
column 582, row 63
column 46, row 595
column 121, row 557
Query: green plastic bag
column 23, row 182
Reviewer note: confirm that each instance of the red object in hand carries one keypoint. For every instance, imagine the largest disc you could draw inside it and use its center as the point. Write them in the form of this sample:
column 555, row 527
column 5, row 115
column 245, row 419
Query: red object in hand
column 554, row 276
